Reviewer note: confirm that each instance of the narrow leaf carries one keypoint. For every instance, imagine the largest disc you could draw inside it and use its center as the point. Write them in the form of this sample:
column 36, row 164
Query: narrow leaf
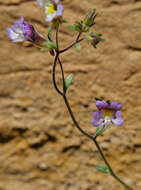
column 103, row 168
column 69, row 81
column 78, row 46
column 49, row 32
column 51, row 44
column 74, row 28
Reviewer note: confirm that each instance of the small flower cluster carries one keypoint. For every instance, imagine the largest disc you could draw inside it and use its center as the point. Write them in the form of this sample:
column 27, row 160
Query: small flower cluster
column 53, row 10
column 108, row 112
column 23, row 31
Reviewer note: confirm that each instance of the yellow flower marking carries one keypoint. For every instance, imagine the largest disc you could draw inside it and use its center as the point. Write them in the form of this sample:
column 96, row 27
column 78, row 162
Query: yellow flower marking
column 108, row 113
column 50, row 9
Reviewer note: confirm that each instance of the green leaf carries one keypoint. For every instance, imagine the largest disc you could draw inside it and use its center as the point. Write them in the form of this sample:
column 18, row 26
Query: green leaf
column 78, row 46
column 103, row 169
column 69, row 81
column 49, row 44
column 74, row 28
column 98, row 34
column 102, row 39
column 49, row 32
column 100, row 130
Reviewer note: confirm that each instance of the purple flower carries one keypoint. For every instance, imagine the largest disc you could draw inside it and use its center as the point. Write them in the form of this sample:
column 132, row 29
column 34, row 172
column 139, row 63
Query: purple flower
column 108, row 113
column 23, row 31
column 96, row 39
column 52, row 9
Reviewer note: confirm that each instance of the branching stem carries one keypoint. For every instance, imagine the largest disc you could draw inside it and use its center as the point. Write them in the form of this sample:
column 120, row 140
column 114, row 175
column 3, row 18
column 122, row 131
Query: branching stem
column 63, row 94
column 77, row 40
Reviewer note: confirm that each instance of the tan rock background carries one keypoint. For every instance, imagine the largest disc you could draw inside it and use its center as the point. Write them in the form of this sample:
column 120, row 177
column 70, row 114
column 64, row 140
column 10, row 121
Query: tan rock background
column 39, row 147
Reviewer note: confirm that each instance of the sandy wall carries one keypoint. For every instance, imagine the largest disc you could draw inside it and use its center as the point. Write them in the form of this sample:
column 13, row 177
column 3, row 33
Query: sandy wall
column 40, row 149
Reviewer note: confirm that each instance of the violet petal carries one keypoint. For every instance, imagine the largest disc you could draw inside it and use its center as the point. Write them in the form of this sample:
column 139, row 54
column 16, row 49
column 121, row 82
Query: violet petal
column 98, row 119
column 115, row 106
column 60, row 10
column 101, row 104
column 118, row 120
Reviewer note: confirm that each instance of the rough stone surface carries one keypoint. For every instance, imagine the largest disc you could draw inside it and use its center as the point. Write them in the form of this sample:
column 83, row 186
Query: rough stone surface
column 39, row 147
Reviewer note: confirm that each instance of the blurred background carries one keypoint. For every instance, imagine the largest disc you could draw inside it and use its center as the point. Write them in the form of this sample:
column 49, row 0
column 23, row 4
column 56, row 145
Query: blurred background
column 40, row 149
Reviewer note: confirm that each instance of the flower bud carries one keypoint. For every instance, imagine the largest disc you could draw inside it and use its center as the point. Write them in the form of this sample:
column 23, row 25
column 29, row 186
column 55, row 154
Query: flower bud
column 89, row 20
column 95, row 41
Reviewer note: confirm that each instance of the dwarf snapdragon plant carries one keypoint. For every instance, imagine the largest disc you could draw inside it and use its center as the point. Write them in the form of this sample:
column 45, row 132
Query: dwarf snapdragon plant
column 108, row 112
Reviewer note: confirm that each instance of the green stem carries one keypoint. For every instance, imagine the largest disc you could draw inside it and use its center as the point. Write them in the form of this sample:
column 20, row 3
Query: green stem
column 57, row 40
column 63, row 76
column 75, row 42
column 67, row 48
column 97, row 145
column 109, row 167
column 63, row 94
column 74, row 120
column 54, row 75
